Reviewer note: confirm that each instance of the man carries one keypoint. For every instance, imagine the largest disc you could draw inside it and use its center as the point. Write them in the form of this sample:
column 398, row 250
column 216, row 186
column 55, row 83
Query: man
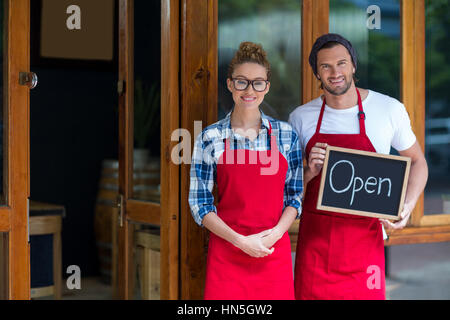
column 336, row 253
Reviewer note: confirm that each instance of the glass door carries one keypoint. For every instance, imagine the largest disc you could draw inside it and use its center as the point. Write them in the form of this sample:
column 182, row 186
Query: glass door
column 148, row 180
column 14, row 146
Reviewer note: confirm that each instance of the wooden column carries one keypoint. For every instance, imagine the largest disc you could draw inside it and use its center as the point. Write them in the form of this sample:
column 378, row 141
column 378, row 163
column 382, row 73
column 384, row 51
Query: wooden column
column 314, row 24
column 169, row 170
column 198, row 103
column 412, row 75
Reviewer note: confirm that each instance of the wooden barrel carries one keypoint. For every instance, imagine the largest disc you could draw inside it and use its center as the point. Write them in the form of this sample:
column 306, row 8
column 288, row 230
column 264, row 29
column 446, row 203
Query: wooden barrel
column 105, row 210
column 146, row 182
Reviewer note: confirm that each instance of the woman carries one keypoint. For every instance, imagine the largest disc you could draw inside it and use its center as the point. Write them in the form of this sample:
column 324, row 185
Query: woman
column 256, row 162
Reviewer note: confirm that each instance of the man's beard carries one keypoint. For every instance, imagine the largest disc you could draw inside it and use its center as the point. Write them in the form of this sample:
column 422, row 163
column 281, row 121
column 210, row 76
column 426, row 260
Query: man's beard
column 341, row 91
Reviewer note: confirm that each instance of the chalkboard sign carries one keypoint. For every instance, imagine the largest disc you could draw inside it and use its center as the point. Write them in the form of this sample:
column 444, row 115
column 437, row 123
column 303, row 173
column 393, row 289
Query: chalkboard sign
column 363, row 183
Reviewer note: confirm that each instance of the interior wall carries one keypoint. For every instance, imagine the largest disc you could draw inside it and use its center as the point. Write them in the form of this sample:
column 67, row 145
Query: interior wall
column 73, row 126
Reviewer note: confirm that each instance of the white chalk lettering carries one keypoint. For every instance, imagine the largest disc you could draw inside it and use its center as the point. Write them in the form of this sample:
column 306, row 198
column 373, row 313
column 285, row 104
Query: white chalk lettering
column 351, row 179
column 390, row 185
column 370, row 184
column 357, row 183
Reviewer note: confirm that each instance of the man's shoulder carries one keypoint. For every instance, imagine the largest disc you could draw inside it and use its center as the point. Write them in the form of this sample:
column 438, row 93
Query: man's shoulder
column 382, row 105
column 377, row 97
column 311, row 106
column 279, row 124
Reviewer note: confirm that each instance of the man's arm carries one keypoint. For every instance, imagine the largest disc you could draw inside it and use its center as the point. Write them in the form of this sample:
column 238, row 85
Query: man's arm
column 418, row 176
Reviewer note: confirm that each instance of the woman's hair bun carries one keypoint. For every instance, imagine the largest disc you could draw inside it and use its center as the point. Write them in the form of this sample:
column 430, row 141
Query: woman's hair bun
column 249, row 52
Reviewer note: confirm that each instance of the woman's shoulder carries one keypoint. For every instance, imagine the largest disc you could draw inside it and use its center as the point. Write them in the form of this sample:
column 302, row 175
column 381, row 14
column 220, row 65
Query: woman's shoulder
column 212, row 131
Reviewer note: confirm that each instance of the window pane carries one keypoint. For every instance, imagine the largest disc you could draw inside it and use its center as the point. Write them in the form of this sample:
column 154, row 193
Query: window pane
column 147, row 116
column 373, row 28
column 437, row 119
column 275, row 25
column 147, row 144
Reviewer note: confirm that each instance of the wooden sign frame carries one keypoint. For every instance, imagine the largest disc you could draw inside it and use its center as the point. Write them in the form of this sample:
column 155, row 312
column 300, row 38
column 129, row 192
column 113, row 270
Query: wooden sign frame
column 358, row 212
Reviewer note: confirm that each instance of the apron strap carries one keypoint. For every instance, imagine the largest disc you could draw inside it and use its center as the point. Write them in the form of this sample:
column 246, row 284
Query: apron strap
column 361, row 115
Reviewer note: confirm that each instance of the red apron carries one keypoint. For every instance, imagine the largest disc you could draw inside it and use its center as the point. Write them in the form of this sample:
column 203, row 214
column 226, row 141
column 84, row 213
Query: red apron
column 339, row 256
column 249, row 202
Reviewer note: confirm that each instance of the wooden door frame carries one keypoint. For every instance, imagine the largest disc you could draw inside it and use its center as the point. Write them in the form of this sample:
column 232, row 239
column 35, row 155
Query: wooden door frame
column 14, row 216
column 166, row 213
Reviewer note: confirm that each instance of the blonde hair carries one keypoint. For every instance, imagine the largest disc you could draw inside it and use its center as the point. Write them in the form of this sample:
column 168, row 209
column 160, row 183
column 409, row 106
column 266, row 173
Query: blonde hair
column 249, row 52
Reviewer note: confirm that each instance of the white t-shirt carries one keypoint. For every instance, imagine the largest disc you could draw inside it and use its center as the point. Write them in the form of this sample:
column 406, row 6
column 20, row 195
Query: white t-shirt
column 387, row 122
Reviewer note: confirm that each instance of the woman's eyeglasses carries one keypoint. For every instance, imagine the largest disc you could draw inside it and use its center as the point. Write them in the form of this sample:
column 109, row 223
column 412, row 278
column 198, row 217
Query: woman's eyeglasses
column 242, row 84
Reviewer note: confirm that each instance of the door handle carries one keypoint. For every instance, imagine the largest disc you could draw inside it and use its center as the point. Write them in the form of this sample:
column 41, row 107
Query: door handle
column 28, row 79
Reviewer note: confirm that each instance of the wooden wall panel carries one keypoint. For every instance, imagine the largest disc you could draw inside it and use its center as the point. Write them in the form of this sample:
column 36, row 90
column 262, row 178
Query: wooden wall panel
column 198, row 103
column 314, row 24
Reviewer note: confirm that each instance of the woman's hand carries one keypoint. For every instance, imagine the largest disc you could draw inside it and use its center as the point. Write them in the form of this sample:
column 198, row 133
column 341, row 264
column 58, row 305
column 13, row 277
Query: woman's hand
column 315, row 161
column 272, row 238
column 253, row 244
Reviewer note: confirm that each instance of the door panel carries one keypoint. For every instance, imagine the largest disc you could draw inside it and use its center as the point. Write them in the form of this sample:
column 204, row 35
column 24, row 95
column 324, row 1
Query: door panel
column 148, row 184
column 14, row 257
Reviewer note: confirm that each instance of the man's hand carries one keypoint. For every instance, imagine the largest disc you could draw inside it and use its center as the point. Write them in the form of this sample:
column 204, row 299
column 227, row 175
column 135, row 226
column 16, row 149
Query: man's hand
column 404, row 215
column 315, row 161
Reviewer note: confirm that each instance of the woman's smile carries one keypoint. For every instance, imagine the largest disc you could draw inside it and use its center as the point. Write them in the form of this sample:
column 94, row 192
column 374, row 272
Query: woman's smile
column 248, row 98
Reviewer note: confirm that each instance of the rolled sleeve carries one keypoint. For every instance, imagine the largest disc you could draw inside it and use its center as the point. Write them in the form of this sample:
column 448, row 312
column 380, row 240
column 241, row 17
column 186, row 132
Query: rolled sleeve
column 201, row 199
column 293, row 191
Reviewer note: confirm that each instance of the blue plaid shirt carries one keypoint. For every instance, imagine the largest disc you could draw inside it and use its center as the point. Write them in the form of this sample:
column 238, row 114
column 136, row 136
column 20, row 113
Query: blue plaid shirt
column 209, row 146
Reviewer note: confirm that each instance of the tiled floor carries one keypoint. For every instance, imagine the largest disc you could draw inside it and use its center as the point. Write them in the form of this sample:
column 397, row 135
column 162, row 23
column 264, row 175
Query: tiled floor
column 419, row 271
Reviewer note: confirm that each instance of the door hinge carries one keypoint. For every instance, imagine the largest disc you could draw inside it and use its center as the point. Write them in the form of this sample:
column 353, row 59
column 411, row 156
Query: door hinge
column 119, row 205
column 120, row 87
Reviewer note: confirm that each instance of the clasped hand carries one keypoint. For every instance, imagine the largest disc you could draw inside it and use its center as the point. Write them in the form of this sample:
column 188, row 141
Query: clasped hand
column 259, row 245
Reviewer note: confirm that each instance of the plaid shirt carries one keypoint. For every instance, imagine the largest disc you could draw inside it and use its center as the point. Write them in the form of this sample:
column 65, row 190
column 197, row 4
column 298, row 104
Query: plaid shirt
column 209, row 146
